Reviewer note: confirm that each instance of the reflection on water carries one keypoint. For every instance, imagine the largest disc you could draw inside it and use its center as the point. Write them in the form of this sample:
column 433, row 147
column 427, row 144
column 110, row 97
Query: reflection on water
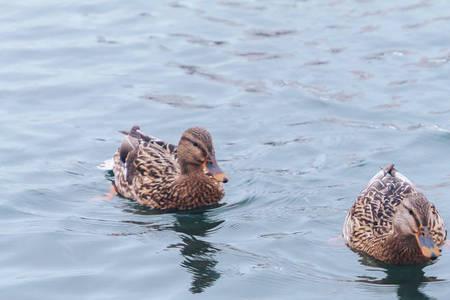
column 409, row 279
column 199, row 256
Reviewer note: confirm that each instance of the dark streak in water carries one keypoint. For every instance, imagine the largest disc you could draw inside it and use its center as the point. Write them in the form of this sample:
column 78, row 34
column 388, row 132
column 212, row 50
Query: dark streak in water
column 362, row 75
column 198, row 40
column 322, row 92
column 255, row 56
column 404, row 8
column 177, row 101
column 272, row 34
column 402, row 82
column 73, row 173
column 224, row 21
column 239, row 4
column 384, row 54
column 104, row 40
column 248, row 86
column 317, row 63
column 282, row 143
column 442, row 112
column 427, row 22
column 369, row 28
column 281, row 235
column 433, row 62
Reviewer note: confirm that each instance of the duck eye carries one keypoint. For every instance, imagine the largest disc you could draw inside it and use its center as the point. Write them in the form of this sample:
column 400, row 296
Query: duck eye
column 195, row 144
column 410, row 212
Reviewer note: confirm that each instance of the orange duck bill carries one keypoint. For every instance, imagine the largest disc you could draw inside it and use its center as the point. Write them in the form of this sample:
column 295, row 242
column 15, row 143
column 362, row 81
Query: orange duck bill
column 426, row 244
column 213, row 170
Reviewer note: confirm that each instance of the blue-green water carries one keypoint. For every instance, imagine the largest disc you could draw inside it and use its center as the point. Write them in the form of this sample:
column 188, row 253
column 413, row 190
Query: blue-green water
column 306, row 100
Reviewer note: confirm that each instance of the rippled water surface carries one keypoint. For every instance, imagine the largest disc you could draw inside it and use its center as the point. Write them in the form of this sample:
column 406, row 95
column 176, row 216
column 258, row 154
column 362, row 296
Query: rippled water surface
column 306, row 100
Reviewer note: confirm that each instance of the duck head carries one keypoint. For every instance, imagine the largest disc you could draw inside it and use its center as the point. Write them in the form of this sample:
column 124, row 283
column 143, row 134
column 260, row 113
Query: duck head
column 196, row 154
column 411, row 220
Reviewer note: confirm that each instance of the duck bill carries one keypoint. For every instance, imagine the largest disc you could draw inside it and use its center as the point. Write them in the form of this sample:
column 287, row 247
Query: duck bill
column 213, row 169
column 426, row 244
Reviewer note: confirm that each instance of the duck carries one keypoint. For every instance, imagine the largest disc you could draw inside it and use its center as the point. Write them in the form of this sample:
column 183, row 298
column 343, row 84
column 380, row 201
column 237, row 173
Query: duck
column 393, row 222
column 166, row 177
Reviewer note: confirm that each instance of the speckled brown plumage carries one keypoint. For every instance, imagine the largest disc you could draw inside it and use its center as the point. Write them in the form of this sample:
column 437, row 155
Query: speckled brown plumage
column 167, row 177
column 377, row 224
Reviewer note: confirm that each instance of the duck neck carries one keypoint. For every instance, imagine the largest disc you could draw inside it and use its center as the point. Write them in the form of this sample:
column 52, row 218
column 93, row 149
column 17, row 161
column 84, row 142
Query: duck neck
column 195, row 189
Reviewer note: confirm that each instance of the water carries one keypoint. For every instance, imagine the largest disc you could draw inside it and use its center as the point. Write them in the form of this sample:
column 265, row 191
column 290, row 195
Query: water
column 306, row 100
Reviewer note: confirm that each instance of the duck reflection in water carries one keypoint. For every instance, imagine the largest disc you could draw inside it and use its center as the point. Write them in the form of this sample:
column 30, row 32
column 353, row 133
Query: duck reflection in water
column 409, row 279
column 199, row 256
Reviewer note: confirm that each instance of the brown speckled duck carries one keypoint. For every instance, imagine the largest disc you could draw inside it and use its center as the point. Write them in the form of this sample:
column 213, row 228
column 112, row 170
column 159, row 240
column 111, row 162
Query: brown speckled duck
column 393, row 222
column 168, row 177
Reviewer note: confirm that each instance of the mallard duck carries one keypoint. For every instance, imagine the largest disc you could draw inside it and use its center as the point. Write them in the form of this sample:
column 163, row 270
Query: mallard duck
column 393, row 222
column 168, row 177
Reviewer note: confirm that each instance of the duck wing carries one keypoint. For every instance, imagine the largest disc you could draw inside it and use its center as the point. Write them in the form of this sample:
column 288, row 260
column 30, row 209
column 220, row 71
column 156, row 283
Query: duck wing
column 146, row 156
column 135, row 137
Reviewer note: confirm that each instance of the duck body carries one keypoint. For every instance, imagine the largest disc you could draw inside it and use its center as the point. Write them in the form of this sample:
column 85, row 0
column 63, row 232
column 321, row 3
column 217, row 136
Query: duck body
column 152, row 172
column 393, row 222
